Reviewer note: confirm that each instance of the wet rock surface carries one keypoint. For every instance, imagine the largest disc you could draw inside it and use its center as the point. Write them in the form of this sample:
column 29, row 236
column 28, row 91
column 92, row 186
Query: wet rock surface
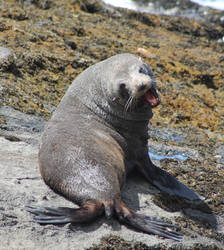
column 184, row 8
column 44, row 45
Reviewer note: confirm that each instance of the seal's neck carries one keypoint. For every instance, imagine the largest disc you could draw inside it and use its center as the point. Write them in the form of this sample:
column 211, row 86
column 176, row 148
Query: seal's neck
column 127, row 123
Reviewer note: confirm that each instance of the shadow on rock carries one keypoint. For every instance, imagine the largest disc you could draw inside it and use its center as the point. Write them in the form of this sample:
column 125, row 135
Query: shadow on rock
column 197, row 212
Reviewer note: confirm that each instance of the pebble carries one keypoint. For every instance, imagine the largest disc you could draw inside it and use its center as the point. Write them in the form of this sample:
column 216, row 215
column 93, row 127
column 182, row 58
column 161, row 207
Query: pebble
column 4, row 53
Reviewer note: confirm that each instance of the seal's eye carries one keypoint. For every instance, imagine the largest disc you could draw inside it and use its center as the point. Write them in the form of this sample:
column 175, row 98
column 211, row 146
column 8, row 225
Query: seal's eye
column 122, row 85
column 145, row 70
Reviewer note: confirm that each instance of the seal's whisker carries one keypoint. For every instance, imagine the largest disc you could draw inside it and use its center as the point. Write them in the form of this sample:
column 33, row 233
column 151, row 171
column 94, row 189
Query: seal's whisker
column 128, row 103
column 134, row 102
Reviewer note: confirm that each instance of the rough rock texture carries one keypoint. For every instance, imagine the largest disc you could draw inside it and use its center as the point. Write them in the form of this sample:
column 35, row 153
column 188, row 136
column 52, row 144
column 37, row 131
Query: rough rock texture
column 43, row 46
column 21, row 185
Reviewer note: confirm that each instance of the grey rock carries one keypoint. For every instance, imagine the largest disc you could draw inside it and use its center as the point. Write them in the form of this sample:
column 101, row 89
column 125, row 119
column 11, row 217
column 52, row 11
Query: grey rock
column 21, row 185
column 167, row 134
column 219, row 154
column 4, row 53
column 21, row 126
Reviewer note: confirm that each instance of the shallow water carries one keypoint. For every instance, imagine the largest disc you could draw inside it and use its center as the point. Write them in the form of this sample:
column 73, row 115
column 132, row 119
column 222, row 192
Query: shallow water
column 129, row 4
column 180, row 157
column 217, row 4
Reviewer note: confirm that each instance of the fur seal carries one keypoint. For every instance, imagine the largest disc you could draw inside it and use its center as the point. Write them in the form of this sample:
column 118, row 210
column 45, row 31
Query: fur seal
column 98, row 134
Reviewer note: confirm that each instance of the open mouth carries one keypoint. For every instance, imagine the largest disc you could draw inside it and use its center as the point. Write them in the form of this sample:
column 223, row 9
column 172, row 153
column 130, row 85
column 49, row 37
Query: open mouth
column 152, row 97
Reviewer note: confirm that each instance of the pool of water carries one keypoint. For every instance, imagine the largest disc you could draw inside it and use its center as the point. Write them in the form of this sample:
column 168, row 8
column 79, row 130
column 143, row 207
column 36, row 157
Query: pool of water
column 180, row 157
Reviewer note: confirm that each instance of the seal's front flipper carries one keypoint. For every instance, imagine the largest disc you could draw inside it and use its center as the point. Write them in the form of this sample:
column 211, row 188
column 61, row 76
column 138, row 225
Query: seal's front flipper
column 146, row 224
column 62, row 215
column 167, row 183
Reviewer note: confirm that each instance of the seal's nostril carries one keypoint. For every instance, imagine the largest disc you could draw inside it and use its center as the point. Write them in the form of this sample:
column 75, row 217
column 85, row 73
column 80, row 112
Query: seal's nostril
column 141, row 86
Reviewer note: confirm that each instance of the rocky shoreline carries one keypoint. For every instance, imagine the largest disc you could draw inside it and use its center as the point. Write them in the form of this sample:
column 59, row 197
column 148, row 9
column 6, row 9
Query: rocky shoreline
column 44, row 45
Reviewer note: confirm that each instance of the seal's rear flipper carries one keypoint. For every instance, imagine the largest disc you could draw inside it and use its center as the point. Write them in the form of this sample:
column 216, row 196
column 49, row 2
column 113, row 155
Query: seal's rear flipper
column 91, row 210
column 146, row 224
column 167, row 183
column 62, row 215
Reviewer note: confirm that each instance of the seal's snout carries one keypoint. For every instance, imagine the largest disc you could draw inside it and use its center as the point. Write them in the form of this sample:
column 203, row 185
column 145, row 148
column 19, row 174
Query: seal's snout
column 148, row 88
column 141, row 86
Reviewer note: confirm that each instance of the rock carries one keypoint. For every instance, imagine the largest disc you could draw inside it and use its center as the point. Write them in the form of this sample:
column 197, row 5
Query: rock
column 219, row 154
column 4, row 53
column 18, row 126
column 50, row 43
column 21, row 185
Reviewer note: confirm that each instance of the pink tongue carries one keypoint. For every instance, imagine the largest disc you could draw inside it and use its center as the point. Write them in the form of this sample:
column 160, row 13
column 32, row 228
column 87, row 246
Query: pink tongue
column 151, row 98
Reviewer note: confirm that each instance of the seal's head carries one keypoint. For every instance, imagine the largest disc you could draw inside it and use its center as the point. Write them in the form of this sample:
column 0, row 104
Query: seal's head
column 132, row 84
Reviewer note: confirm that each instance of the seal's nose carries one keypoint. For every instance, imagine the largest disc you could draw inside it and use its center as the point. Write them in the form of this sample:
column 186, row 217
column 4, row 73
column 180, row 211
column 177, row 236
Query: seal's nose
column 141, row 86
